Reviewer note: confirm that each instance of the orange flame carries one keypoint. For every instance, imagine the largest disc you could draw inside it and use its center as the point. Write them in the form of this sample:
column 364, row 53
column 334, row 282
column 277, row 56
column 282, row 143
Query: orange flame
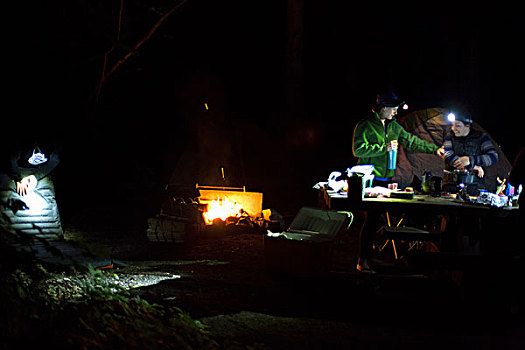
column 222, row 208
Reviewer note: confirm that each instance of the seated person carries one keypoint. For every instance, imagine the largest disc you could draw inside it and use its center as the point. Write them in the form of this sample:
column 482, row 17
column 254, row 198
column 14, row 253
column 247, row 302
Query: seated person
column 468, row 149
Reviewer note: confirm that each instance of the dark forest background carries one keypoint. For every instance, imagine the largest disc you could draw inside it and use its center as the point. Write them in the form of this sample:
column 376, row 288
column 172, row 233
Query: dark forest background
column 284, row 83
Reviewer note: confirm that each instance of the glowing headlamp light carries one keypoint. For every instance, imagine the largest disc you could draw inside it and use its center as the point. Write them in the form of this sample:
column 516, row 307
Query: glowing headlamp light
column 451, row 117
column 37, row 158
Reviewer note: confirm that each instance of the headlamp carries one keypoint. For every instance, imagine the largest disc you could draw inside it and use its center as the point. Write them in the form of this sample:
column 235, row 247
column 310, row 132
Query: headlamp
column 462, row 117
column 37, row 158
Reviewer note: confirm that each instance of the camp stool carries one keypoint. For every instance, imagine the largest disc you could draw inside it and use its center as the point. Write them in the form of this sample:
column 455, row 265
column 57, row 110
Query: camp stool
column 415, row 236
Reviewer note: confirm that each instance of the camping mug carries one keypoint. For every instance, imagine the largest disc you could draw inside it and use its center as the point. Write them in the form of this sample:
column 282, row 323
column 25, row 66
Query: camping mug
column 435, row 185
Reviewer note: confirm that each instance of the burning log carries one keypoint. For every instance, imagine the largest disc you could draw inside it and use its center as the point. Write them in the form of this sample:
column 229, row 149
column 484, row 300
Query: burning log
column 226, row 202
column 222, row 208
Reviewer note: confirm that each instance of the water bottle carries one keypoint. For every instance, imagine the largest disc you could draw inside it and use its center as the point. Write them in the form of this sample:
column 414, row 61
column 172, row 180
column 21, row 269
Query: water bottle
column 425, row 184
column 356, row 188
column 436, row 183
column 392, row 155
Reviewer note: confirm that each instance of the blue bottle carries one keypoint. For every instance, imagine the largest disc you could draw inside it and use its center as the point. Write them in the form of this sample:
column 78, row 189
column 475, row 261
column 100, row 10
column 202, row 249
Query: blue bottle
column 392, row 155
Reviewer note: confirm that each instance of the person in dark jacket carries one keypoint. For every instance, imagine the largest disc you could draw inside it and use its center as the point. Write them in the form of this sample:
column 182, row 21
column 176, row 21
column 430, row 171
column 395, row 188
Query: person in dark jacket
column 471, row 150
column 468, row 149
column 27, row 195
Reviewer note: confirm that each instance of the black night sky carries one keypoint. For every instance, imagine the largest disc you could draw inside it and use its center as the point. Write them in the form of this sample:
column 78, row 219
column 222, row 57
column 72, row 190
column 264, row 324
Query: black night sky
column 233, row 56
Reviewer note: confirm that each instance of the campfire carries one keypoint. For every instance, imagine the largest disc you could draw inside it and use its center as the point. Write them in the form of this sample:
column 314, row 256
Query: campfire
column 229, row 204
column 185, row 213
column 222, row 208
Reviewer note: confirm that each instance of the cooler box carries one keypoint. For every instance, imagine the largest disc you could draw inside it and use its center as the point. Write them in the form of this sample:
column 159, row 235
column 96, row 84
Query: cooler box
column 306, row 247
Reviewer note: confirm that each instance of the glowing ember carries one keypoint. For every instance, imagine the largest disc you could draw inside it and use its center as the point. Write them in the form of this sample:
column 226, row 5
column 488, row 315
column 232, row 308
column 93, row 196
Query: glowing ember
column 222, row 208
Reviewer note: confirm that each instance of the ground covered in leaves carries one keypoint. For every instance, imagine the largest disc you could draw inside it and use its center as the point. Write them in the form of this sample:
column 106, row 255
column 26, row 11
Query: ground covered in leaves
column 215, row 291
column 222, row 280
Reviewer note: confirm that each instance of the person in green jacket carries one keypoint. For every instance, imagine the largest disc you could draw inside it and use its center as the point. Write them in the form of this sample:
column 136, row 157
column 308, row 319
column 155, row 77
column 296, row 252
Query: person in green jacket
column 380, row 132
column 373, row 138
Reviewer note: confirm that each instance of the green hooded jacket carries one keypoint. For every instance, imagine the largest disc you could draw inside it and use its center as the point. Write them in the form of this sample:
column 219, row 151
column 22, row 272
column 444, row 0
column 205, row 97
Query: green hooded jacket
column 370, row 139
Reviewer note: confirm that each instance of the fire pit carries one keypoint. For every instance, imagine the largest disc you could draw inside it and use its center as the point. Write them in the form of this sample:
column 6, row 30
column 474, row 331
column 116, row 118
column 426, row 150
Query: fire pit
column 228, row 202
column 181, row 218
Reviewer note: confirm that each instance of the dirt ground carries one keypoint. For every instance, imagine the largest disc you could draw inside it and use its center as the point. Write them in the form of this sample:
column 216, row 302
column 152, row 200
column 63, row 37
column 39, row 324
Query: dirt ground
column 225, row 282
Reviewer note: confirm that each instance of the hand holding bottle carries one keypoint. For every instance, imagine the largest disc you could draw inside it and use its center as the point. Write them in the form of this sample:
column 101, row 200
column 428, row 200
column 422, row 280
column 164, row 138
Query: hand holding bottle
column 391, row 145
column 461, row 162
column 441, row 152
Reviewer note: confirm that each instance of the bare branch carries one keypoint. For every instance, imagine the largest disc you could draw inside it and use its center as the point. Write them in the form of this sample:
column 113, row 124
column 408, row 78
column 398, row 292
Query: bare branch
column 106, row 55
column 105, row 74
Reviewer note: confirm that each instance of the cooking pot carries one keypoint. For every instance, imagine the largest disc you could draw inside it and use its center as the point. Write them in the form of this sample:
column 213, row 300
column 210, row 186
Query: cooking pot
column 458, row 176
column 463, row 176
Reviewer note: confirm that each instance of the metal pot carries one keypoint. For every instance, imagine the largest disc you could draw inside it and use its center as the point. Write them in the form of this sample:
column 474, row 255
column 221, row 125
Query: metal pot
column 463, row 176
column 458, row 176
